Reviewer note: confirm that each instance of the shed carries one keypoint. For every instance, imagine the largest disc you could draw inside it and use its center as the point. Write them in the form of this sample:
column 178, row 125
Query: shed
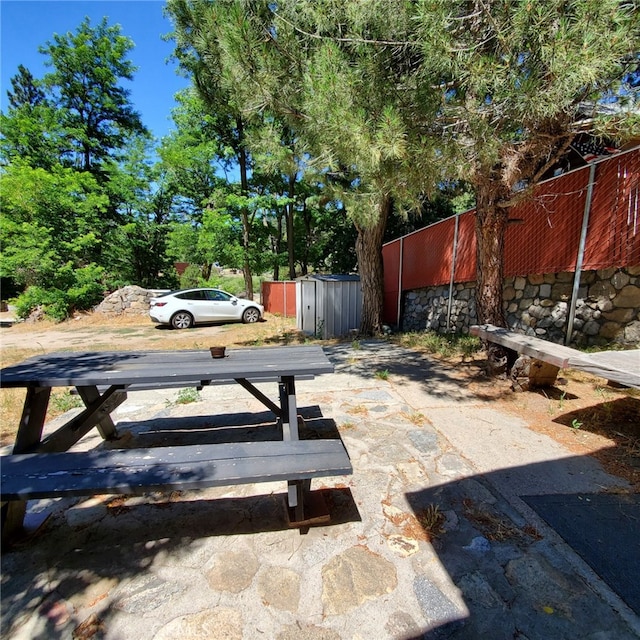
column 328, row 306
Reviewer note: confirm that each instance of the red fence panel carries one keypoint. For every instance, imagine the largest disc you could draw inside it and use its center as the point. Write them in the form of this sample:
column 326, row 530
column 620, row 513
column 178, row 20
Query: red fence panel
column 427, row 255
column 613, row 237
column 544, row 234
column 466, row 250
column 279, row 297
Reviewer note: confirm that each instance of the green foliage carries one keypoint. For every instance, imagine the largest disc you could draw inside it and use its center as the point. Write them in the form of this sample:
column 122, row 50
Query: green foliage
column 445, row 345
column 192, row 277
column 63, row 401
column 95, row 110
column 187, row 395
column 52, row 301
column 73, row 290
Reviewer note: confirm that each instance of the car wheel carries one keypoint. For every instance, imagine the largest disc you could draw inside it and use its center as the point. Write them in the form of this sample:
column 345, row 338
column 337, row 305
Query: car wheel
column 250, row 315
column 181, row 320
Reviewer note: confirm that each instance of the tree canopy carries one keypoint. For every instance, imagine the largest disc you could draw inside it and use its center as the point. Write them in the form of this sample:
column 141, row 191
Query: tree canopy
column 312, row 132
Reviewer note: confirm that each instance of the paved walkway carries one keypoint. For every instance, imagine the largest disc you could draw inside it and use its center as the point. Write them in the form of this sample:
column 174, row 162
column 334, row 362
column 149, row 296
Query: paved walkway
column 429, row 538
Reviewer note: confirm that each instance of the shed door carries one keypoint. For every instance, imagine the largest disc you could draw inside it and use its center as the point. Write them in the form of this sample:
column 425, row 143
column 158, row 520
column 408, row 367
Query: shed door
column 308, row 306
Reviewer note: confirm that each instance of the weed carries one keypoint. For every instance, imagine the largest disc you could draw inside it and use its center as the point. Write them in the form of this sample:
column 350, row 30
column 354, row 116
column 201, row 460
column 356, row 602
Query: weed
column 63, row 401
column 432, row 520
column 359, row 409
column 445, row 346
column 561, row 400
column 355, row 345
column 492, row 525
column 416, row 417
column 576, row 424
column 186, row 396
column 382, row 375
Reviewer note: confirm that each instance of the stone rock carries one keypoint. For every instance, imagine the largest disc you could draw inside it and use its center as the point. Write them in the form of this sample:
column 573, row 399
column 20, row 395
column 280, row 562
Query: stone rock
column 402, row 625
column 436, row 607
column 611, row 330
column 629, row 297
column 403, row 546
column 130, row 300
column 307, row 632
column 220, row 622
column 621, row 316
column 606, row 274
column 591, row 328
column 147, row 594
column 479, row 544
column 476, row 588
column 353, row 577
column 632, row 333
column 233, row 571
column 620, row 280
column 279, row 587
column 536, row 278
column 520, row 283
column 602, row 289
column 424, row 440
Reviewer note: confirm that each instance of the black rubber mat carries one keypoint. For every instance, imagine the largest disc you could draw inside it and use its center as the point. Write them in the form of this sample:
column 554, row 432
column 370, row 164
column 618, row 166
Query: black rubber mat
column 604, row 529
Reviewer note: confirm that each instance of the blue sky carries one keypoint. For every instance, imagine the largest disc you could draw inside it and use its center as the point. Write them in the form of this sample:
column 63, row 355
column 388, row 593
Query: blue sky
column 25, row 25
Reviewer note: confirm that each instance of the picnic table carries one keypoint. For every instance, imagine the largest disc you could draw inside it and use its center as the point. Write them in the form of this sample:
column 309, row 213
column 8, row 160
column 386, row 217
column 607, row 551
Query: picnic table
column 43, row 466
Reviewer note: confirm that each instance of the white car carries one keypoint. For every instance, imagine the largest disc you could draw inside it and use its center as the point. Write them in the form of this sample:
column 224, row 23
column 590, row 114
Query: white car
column 182, row 309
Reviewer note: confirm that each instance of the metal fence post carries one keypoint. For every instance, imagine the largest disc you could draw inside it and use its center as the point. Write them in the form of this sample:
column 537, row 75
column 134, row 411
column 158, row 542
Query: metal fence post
column 399, row 307
column 580, row 258
column 453, row 272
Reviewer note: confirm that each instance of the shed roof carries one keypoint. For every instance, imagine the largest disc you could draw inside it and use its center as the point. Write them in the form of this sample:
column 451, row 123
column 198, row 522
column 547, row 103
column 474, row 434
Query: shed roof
column 335, row 277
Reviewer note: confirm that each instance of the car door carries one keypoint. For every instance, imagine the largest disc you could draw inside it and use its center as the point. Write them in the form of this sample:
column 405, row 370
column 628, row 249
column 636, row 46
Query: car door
column 197, row 304
column 223, row 305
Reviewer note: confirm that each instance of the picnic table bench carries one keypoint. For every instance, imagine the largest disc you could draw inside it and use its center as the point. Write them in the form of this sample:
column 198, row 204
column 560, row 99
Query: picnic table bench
column 540, row 360
column 42, row 467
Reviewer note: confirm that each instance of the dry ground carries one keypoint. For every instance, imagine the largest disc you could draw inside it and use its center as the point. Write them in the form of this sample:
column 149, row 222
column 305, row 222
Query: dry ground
column 581, row 412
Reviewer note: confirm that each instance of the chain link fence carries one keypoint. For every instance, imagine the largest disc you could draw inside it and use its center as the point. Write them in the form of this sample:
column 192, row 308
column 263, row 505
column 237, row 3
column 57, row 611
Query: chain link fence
column 587, row 219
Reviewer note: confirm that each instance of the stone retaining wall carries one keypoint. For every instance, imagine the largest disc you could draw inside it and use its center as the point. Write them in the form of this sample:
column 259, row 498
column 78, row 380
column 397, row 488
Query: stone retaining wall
column 607, row 309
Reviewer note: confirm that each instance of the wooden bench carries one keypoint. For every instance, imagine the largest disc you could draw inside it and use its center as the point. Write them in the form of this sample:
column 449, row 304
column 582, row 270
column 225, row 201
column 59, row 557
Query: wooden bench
column 540, row 359
column 137, row 471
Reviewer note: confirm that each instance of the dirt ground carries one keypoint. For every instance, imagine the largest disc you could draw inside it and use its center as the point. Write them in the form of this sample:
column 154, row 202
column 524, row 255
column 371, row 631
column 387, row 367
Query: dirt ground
column 581, row 412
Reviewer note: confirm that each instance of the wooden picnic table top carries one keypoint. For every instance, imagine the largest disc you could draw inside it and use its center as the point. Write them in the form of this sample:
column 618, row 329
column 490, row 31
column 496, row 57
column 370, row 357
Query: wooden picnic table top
column 85, row 368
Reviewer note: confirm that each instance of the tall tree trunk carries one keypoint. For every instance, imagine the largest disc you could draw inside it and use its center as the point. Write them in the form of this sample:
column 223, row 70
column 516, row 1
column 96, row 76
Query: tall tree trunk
column 304, row 259
column 290, row 228
column 370, row 266
column 491, row 224
column 277, row 243
column 244, row 187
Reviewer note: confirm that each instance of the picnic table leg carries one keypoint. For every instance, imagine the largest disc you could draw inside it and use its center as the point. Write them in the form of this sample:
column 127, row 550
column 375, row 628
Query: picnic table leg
column 29, row 435
column 105, row 425
column 289, row 408
column 300, row 488
column 290, row 432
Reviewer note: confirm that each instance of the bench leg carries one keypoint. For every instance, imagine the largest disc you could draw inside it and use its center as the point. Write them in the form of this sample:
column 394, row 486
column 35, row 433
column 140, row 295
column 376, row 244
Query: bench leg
column 529, row 373
column 297, row 490
column 12, row 518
